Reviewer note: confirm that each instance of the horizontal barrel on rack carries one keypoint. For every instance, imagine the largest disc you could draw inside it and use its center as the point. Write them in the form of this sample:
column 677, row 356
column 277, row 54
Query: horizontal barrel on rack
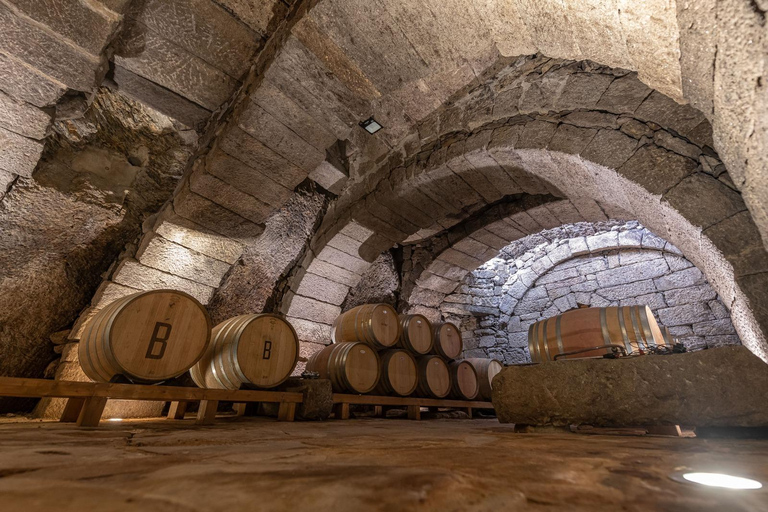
column 448, row 343
column 575, row 332
column 259, row 350
column 434, row 377
column 399, row 374
column 352, row 367
column 417, row 336
column 486, row 370
column 464, row 383
column 147, row 337
column 374, row 324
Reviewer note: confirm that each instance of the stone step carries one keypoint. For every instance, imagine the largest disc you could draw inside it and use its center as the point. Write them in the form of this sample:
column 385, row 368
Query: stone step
column 23, row 118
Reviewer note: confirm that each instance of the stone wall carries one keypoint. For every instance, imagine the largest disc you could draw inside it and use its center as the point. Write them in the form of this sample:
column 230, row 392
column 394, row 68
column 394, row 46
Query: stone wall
column 608, row 264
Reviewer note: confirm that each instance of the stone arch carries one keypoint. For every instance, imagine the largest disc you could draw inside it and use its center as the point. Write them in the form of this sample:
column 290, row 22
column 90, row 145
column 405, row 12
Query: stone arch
column 584, row 264
column 643, row 154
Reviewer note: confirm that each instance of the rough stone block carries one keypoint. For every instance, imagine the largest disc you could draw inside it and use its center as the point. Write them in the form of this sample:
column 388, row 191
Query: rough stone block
column 627, row 290
column 537, row 134
column 624, row 95
column 246, row 178
column 310, row 309
column 681, row 279
column 18, row 155
column 631, row 273
column 437, row 283
column 197, row 238
column 90, row 28
column 28, row 84
column 738, row 239
column 703, row 200
column 571, row 139
column 39, row 48
column 322, row 289
column 685, row 315
column 135, row 275
column 159, row 253
column 311, row 332
column 583, row 90
column 341, row 259
column 690, row 389
column 159, row 98
column 23, row 118
column 643, row 166
column 148, row 54
column 610, row 148
column 317, row 394
column 714, row 328
column 202, row 211
column 597, row 243
column 334, row 273
column 231, row 198
column 681, row 296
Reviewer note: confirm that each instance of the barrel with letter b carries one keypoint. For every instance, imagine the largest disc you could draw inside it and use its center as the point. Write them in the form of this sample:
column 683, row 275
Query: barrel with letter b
column 146, row 337
column 258, row 350
column 594, row 332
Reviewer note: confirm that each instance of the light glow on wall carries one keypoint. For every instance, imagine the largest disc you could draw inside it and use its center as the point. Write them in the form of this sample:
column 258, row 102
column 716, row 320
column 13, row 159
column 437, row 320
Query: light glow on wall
column 722, row 480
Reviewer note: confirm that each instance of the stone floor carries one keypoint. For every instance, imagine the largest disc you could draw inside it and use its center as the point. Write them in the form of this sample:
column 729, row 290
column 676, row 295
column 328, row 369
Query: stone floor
column 254, row 464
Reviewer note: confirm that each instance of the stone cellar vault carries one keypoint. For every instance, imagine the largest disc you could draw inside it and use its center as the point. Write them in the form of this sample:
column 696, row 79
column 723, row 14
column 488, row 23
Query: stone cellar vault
column 486, row 163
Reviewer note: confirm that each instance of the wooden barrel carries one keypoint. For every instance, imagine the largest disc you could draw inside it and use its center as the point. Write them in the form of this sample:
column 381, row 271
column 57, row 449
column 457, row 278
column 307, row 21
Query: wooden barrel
column 352, row 367
column 398, row 373
column 448, row 342
column 417, row 336
column 252, row 350
column 464, row 383
column 486, row 370
column 147, row 337
column 434, row 377
column 374, row 324
column 632, row 327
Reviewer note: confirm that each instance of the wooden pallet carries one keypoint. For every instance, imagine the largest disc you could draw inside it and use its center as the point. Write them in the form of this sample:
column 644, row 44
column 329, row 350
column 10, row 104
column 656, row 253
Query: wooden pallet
column 86, row 400
column 341, row 403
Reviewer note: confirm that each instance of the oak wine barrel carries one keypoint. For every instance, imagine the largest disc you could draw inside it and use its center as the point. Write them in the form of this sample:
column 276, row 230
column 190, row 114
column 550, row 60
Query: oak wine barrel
column 259, row 350
column 398, row 373
column 352, row 367
column 632, row 327
column 486, row 370
column 417, row 336
column 374, row 324
column 434, row 377
column 147, row 337
column 464, row 383
column 448, row 343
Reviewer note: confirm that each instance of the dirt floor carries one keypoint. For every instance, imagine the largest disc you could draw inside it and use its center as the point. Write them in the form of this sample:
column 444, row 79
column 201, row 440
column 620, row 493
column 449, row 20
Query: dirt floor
column 258, row 464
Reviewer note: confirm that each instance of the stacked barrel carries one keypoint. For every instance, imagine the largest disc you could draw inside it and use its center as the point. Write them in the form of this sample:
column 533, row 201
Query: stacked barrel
column 377, row 351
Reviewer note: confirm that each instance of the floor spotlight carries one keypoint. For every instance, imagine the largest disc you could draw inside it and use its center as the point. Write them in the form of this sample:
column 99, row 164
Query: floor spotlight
column 720, row 480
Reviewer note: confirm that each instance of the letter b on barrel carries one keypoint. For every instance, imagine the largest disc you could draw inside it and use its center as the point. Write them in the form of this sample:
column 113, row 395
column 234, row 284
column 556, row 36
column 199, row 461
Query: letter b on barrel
column 153, row 351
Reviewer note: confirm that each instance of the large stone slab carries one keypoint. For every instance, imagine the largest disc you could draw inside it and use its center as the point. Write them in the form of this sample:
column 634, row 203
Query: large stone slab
column 695, row 388
column 18, row 155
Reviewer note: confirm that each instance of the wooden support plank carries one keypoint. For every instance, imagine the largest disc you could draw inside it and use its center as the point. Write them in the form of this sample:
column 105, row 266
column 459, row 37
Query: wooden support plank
column 286, row 412
column 341, row 411
column 378, row 411
column 406, row 401
column 414, row 412
column 469, row 412
column 90, row 415
column 37, row 388
column 665, row 430
column 206, row 414
column 240, row 408
column 72, row 410
column 177, row 410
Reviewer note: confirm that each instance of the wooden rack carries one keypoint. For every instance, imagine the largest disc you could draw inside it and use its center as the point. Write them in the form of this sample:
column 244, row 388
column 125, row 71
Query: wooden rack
column 86, row 400
column 342, row 402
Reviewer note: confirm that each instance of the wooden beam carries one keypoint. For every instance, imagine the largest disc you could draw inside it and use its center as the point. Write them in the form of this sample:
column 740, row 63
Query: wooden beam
column 177, row 410
column 406, row 401
column 72, row 410
column 206, row 414
column 286, row 412
column 414, row 412
column 90, row 415
column 341, row 411
column 38, row 388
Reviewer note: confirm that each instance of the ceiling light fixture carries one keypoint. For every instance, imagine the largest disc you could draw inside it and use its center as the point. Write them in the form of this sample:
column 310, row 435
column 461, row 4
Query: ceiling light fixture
column 371, row 125
column 720, row 480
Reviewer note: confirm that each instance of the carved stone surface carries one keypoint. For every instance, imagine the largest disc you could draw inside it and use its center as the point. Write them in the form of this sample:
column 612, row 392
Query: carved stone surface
column 683, row 389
